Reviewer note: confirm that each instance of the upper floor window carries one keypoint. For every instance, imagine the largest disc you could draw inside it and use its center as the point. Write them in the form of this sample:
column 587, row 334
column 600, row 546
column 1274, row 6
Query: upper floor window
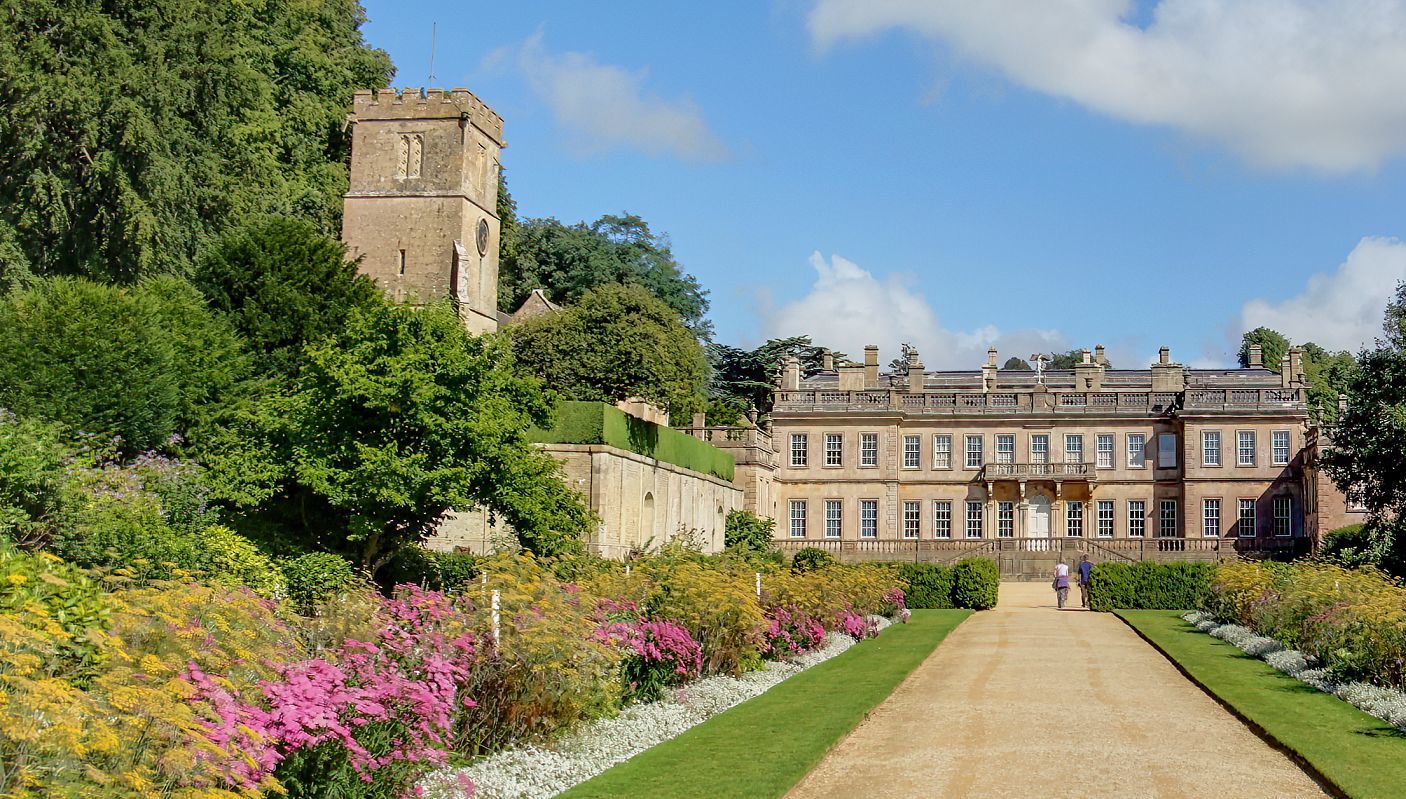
column 942, row 452
column 912, row 452
column 1245, row 448
column 411, row 155
column 974, row 454
column 868, row 449
column 834, row 449
column 1105, row 450
column 1040, row 448
column 1166, row 450
column 1137, row 450
column 799, row 449
column 798, row 518
column 1073, row 448
column 1210, row 447
column 1279, row 444
column 1005, row 449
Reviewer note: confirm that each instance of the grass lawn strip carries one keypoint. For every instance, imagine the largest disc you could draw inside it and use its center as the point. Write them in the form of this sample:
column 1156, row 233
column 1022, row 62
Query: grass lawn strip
column 764, row 746
column 1353, row 754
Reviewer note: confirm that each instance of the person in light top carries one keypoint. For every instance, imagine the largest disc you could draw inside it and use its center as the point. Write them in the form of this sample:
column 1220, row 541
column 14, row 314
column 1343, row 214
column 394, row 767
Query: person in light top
column 1061, row 582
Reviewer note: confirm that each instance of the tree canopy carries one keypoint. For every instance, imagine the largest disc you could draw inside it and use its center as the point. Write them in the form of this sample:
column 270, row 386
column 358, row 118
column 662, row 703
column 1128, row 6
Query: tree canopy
column 1327, row 373
column 1016, row 365
column 284, row 285
column 143, row 363
column 1273, row 347
column 133, row 133
column 746, row 378
column 618, row 341
column 567, row 261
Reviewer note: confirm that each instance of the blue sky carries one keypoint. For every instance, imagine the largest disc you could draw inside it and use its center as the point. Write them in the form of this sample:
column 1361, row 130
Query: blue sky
column 1034, row 176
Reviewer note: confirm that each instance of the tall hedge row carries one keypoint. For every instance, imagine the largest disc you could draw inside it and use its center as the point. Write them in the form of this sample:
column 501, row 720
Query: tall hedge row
column 969, row 583
column 1148, row 585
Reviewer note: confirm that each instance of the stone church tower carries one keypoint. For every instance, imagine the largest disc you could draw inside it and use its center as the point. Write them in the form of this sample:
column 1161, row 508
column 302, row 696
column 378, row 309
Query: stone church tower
column 421, row 210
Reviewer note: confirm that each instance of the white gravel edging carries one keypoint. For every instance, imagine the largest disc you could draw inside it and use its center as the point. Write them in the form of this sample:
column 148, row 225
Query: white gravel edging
column 540, row 772
column 1384, row 703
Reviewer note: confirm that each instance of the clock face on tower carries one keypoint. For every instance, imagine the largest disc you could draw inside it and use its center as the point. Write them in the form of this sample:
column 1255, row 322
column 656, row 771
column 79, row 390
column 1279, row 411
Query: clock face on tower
column 481, row 237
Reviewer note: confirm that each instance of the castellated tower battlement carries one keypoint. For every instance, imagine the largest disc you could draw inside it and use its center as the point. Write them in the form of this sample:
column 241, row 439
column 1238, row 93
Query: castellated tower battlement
column 421, row 208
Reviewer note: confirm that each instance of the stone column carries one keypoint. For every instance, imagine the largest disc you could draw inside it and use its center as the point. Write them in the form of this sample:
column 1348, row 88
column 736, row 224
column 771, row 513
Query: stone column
column 1022, row 511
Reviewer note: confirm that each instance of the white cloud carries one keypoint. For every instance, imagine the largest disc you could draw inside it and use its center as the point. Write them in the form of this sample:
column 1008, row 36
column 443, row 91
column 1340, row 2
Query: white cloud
column 1281, row 82
column 607, row 106
column 848, row 307
column 1342, row 310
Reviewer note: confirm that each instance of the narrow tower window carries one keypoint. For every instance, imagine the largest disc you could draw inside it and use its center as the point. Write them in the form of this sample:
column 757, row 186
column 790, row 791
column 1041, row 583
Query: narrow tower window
column 400, row 261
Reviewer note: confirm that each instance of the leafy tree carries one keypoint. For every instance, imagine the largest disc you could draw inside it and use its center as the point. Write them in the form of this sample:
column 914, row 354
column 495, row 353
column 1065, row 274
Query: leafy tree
column 567, row 261
column 143, row 363
column 398, row 419
column 1066, row 360
column 1273, row 346
column 1364, row 459
column 1328, row 374
column 616, row 342
column 284, row 285
column 899, row 365
column 1394, row 325
column 131, row 133
column 1016, row 364
column 747, row 377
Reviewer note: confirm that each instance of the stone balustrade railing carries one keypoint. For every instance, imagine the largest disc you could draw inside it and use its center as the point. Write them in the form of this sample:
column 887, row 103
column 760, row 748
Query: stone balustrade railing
column 1006, row 471
column 1057, row 402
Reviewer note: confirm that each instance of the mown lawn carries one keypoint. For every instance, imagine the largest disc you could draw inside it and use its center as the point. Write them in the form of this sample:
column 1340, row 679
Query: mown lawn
column 765, row 745
column 1359, row 754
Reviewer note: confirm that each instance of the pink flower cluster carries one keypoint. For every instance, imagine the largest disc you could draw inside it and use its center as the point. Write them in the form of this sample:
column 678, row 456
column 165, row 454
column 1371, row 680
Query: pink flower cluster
column 791, row 631
column 856, row 626
column 408, row 686
column 657, row 642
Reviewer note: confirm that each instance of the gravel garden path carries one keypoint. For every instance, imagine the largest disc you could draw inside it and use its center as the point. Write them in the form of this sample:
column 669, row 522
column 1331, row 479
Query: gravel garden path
column 1030, row 701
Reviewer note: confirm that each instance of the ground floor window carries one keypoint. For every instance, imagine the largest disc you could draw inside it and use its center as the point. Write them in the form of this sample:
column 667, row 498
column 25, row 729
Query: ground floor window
column 834, row 517
column 912, row 519
column 1005, row 519
column 1105, row 518
column 798, row 518
column 1245, row 525
column 1283, row 516
column 941, row 519
column 1137, row 518
column 974, row 519
column 1168, row 526
column 868, row 518
column 1074, row 519
column 1210, row 518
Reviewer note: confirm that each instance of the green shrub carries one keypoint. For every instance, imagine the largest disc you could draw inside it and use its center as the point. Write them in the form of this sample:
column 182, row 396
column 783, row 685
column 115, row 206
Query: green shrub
column 582, row 422
column 1148, row 585
column 811, row 558
column 32, row 464
column 227, row 558
column 316, row 577
column 976, row 582
column 1350, row 546
column 746, row 530
column 929, row 585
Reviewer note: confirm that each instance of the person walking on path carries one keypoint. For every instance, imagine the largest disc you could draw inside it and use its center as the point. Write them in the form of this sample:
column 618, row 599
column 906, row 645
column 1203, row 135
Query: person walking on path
column 1061, row 582
column 1085, row 570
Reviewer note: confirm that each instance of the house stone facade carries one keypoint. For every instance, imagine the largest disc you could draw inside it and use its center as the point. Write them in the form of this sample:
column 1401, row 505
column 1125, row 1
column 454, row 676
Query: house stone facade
column 1170, row 460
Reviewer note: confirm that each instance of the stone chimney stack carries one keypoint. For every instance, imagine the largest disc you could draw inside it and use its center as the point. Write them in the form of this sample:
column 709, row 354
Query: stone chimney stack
column 1286, row 368
column 1296, row 376
column 827, row 361
column 1167, row 376
column 1256, row 357
column 915, row 372
column 871, row 365
column 990, row 356
column 1088, row 373
column 791, row 373
column 1099, row 356
column 1164, row 356
column 988, row 370
column 1087, row 357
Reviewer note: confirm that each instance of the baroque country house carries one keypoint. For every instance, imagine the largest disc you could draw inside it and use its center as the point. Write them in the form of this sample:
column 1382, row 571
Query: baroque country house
column 1160, row 462
column 1167, row 461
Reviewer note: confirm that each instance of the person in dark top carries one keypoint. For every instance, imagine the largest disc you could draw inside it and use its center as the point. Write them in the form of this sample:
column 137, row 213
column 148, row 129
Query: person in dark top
column 1085, row 570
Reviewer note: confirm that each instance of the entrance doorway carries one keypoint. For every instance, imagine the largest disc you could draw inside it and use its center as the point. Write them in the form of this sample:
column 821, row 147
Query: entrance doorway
column 1039, row 522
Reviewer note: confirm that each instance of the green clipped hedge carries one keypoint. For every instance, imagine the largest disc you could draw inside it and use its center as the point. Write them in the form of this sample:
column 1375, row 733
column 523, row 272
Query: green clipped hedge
column 579, row 422
column 969, row 583
column 1148, row 585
